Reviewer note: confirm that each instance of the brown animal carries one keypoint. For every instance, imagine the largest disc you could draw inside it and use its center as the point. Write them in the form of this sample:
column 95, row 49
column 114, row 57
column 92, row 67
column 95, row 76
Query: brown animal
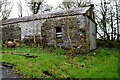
column 11, row 44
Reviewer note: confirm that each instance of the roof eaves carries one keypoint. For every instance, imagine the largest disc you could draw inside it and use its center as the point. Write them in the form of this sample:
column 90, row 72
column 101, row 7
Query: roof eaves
column 75, row 11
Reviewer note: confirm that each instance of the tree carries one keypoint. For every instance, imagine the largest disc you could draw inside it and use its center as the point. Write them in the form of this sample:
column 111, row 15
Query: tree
column 107, row 19
column 111, row 21
column 117, row 18
column 102, row 19
column 67, row 6
column 36, row 7
column 20, row 8
column 72, row 4
column 35, row 45
column 1, row 3
column 81, row 3
column 6, row 9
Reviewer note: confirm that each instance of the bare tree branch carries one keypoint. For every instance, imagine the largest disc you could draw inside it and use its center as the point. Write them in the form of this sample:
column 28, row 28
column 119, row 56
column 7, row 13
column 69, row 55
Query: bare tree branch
column 6, row 9
column 20, row 8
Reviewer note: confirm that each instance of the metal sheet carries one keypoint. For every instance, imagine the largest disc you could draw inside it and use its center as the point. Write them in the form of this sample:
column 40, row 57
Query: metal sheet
column 92, row 35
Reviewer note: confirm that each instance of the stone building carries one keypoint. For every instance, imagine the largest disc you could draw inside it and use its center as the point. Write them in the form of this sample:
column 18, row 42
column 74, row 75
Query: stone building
column 52, row 27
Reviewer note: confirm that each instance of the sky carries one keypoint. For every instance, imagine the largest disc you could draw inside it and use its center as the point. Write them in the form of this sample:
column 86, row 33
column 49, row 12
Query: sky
column 26, row 11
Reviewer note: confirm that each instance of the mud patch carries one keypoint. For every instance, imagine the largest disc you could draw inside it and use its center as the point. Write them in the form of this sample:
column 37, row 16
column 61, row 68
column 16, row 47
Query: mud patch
column 46, row 73
column 30, row 56
column 8, row 65
column 8, row 72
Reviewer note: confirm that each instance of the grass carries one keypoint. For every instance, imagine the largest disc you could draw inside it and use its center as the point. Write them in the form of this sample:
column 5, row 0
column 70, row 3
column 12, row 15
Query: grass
column 102, row 63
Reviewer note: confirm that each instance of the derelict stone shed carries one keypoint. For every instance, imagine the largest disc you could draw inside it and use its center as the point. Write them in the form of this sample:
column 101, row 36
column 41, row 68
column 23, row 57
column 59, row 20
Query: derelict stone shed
column 52, row 27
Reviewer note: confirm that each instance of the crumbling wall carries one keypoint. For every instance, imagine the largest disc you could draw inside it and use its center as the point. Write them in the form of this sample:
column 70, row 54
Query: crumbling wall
column 77, row 31
column 11, row 31
column 27, row 28
column 19, row 30
column 46, row 26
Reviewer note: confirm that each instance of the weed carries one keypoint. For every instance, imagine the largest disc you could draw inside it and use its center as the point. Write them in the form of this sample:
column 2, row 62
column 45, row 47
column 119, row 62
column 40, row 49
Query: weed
column 51, row 48
column 60, row 51
column 103, row 63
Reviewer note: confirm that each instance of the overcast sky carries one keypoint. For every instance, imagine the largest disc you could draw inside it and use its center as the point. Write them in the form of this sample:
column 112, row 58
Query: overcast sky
column 26, row 11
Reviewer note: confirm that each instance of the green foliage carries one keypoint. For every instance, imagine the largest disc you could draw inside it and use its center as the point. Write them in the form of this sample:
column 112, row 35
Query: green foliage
column 81, row 58
column 102, row 63
column 63, row 47
column 60, row 51
column 51, row 48
column 108, row 43
column 92, row 54
column 68, row 48
column 77, row 51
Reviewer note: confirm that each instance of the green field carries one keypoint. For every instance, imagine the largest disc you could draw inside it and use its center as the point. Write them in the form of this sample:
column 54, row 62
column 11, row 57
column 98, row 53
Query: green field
column 38, row 63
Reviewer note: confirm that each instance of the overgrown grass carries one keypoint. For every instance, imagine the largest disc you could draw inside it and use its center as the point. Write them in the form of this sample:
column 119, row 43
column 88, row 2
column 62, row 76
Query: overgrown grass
column 108, row 43
column 102, row 63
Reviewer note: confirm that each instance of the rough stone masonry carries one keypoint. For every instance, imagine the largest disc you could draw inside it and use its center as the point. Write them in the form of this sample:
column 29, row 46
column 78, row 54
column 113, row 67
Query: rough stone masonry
column 52, row 27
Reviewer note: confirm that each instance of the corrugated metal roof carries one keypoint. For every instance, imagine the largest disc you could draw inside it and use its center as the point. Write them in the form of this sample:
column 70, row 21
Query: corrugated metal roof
column 74, row 11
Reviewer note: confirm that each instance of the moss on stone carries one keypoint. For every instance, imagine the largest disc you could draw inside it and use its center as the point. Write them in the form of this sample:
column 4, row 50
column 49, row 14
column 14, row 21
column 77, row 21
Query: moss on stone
column 68, row 48
column 77, row 51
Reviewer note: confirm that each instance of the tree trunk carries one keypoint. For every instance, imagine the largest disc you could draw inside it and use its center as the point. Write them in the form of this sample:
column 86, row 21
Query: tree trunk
column 111, row 26
column 34, row 28
column 117, row 16
column 68, row 31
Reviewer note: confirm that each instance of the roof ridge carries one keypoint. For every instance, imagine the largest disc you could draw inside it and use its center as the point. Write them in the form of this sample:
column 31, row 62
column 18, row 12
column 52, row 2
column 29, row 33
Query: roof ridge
column 58, row 13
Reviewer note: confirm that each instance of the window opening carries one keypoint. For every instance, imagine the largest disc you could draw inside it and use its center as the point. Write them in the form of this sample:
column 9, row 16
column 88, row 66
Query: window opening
column 58, row 32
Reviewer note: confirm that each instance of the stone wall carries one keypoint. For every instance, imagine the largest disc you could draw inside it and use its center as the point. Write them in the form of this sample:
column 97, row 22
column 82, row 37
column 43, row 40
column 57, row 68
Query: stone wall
column 19, row 30
column 27, row 28
column 11, row 31
column 77, row 31
column 46, row 25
